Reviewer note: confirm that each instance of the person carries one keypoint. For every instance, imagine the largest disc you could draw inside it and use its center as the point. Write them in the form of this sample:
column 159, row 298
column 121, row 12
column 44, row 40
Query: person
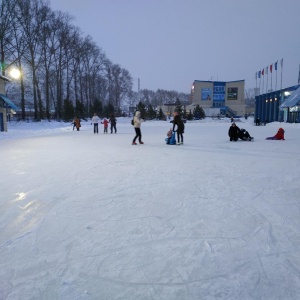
column 74, row 123
column 278, row 136
column 77, row 124
column 95, row 121
column 113, row 123
column 105, row 122
column 231, row 119
column 169, row 135
column 257, row 122
column 233, row 132
column 180, row 127
column 244, row 135
column 137, row 121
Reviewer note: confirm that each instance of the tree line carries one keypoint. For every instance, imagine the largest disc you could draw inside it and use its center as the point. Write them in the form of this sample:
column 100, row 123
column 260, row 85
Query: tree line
column 63, row 71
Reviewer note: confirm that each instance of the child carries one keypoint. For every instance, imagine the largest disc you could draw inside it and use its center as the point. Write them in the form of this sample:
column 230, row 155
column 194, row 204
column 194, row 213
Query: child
column 105, row 122
column 278, row 136
column 169, row 135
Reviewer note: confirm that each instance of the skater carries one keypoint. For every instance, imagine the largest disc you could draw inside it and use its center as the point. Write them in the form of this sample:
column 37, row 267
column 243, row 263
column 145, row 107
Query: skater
column 278, row 136
column 95, row 121
column 244, row 135
column 233, row 132
column 180, row 127
column 113, row 123
column 77, row 124
column 137, row 121
column 105, row 122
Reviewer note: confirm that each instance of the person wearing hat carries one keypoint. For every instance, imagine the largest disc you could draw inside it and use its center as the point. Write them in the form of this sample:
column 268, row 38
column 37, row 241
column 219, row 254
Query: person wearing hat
column 137, row 121
column 233, row 132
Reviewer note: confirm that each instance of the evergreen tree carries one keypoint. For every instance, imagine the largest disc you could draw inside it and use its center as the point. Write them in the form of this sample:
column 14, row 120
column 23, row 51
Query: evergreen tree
column 79, row 110
column 178, row 107
column 108, row 110
column 68, row 110
column 161, row 115
column 151, row 114
column 142, row 109
column 97, row 107
column 199, row 112
column 190, row 115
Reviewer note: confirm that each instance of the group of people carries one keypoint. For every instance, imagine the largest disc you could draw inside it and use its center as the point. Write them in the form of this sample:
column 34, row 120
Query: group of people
column 236, row 133
column 178, row 127
column 112, row 120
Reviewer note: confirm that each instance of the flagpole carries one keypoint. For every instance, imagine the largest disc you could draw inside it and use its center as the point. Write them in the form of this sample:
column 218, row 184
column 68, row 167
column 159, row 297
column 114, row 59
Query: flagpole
column 263, row 74
column 271, row 70
column 276, row 66
column 281, row 62
column 267, row 79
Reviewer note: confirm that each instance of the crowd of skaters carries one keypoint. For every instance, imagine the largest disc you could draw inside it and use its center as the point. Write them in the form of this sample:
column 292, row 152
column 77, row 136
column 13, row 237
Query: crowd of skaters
column 234, row 131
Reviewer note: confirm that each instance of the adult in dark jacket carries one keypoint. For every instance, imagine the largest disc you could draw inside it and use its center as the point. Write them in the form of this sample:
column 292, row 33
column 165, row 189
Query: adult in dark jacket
column 180, row 127
column 233, row 132
column 113, row 123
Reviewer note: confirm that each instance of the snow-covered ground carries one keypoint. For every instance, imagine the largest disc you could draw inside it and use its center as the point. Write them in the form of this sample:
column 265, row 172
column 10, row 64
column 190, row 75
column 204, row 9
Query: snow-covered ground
column 86, row 216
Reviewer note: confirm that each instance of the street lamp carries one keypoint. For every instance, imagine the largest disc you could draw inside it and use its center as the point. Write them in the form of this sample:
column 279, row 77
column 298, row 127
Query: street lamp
column 15, row 73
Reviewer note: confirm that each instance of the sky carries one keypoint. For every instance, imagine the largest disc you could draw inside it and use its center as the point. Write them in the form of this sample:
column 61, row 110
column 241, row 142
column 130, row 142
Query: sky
column 90, row 216
column 168, row 44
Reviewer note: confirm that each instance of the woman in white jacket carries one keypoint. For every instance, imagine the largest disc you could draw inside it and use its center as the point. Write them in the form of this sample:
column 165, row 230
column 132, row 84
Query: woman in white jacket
column 137, row 127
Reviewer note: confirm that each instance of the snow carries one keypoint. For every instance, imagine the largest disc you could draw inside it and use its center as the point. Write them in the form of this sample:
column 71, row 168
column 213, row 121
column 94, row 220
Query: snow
column 85, row 216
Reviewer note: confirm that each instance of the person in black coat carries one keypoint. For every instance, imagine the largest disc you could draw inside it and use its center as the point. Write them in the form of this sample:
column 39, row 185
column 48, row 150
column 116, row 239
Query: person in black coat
column 180, row 127
column 113, row 123
column 244, row 135
column 233, row 132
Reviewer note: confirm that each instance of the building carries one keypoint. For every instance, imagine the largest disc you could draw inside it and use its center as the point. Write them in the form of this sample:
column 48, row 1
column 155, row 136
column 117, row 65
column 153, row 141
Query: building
column 228, row 97
column 6, row 105
column 269, row 107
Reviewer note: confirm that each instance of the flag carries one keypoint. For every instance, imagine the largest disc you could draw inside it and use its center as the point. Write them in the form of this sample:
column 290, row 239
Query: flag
column 281, row 62
column 275, row 64
column 259, row 74
column 266, row 69
column 271, row 67
column 263, row 72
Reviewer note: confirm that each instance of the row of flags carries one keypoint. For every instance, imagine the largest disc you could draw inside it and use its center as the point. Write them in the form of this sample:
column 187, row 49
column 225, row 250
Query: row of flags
column 264, row 71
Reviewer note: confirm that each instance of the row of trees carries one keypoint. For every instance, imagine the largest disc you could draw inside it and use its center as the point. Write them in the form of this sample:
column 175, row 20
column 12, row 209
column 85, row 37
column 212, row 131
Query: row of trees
column 61, row 67
column 57, row 62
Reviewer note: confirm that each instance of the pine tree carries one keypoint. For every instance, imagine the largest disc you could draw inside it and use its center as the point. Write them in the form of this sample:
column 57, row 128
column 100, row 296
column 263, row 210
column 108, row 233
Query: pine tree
column 142, row 109
column 68, row 111
column 199, row 112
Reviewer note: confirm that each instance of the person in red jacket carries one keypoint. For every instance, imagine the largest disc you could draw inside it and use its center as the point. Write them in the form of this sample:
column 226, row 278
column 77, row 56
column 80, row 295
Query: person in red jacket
column 278, row 136
column 105, row 122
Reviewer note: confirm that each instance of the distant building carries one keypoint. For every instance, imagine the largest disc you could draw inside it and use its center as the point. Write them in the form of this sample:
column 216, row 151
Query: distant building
column 228, row 97
column 6, row 105
column 270, row 107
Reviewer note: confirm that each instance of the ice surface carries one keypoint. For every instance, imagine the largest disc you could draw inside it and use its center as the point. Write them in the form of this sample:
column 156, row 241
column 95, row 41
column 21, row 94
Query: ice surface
column 85, row 216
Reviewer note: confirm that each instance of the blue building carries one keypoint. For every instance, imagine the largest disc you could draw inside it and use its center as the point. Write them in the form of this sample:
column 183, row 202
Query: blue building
column 267, row 106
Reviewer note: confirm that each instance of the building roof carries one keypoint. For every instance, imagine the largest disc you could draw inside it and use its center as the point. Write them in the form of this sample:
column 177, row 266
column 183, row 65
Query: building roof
column 8, row 102
column 292, row 100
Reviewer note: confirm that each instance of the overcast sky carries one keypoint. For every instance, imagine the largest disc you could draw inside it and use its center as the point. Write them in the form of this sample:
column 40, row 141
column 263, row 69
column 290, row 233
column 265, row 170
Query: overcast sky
column 170, row 43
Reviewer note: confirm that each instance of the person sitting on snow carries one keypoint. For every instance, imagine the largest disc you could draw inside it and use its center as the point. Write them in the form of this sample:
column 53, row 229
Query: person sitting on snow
column 233, row 132
column 244, row 135
column 278, row 136
column 169, row 135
